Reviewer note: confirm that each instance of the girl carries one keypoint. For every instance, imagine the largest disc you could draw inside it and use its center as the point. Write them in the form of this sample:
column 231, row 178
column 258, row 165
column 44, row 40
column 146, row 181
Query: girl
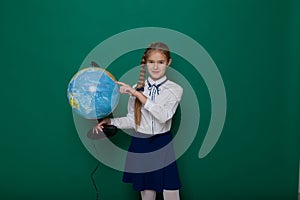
column 151, row 106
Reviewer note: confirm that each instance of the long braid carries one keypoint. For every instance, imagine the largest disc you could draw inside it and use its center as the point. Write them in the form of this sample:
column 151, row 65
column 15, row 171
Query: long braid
column 140, row 86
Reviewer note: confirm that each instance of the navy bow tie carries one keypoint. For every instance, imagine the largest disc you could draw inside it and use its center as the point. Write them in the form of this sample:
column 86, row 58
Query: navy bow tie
column 154, row 87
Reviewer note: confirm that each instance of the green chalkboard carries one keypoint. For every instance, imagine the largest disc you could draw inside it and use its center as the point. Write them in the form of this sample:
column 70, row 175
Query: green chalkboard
column 254, row 44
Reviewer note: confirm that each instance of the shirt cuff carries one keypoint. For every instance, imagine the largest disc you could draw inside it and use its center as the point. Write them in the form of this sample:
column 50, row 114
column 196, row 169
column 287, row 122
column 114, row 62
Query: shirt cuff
column 112, row 122
column 149, row 104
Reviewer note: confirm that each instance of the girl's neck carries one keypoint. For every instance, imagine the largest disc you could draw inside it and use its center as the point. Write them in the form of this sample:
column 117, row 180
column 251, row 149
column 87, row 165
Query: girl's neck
column 151, row 80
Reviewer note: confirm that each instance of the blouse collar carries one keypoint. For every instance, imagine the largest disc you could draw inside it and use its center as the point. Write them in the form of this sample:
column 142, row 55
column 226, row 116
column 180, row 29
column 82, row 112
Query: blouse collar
column 157, row 82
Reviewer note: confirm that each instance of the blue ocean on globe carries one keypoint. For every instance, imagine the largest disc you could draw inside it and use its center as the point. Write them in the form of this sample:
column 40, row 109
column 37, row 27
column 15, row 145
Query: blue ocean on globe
column 93, row 93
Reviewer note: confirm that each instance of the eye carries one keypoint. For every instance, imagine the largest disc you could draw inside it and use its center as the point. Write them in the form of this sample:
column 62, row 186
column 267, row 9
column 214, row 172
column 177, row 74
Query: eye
column 150, row 61
column 161, row 62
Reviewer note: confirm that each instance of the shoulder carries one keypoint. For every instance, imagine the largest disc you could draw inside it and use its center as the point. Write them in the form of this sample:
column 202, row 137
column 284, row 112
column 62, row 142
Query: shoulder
column 173, row 85
column 174, row 88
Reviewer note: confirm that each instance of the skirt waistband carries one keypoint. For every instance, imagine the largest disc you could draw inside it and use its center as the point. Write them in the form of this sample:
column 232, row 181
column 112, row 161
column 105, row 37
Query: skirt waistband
column 150, row 136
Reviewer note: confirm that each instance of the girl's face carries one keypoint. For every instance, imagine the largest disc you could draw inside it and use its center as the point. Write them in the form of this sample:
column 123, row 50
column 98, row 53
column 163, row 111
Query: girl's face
column 157, row 64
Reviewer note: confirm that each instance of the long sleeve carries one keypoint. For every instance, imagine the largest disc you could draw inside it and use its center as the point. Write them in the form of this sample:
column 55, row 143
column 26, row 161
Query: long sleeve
column 126, row 122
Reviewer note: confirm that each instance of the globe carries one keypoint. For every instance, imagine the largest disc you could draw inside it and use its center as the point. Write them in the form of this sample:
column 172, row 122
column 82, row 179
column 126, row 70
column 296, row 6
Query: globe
column 93, row 93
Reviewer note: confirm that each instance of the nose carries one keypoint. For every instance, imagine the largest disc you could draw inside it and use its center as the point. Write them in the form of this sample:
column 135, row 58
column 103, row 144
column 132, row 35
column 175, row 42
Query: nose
column 155, row 65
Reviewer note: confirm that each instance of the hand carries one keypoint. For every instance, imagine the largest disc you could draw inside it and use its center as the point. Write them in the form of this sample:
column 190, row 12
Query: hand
column 126, row 89
column 98, row 128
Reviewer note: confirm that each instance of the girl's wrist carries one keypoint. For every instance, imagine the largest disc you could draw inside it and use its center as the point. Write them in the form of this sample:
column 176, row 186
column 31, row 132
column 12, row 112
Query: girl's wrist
column 135, row 93
column 140, row 96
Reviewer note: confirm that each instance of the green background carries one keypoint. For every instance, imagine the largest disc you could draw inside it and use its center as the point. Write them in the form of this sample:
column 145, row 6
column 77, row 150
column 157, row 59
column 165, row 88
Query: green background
column 255, row 44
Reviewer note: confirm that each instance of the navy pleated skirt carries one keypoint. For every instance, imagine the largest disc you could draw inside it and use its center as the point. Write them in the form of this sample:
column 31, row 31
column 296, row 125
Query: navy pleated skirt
column 151, row 163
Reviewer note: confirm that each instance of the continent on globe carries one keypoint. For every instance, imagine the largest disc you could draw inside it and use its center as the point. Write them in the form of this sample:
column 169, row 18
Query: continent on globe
column 93, row 93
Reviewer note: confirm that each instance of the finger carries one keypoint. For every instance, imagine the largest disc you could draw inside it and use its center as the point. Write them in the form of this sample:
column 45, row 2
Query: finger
column 95, row 130
column 101, row 123
column 100, row 127
column 120, row 83
column 123, row 90
column 99, row 130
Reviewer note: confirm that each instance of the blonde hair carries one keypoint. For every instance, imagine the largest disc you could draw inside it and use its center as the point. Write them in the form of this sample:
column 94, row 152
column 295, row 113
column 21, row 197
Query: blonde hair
column 156, row 46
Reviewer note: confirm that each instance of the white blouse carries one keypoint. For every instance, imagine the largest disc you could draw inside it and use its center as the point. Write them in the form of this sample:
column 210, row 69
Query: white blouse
column 158, row 110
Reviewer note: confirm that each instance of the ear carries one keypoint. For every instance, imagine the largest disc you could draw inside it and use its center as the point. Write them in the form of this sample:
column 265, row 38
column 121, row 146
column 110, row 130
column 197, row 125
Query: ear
column 170, row 61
